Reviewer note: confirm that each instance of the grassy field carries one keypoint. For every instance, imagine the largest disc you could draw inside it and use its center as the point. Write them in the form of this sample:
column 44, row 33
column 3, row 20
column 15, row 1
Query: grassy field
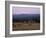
column 25, row 26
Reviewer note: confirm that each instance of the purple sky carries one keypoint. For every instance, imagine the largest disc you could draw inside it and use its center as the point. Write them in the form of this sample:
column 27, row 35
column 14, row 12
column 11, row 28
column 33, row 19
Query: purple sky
column 25, row 10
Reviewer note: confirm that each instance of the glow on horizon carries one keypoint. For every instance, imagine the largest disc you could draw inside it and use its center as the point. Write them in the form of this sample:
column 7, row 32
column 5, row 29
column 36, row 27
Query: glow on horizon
column 25, row 10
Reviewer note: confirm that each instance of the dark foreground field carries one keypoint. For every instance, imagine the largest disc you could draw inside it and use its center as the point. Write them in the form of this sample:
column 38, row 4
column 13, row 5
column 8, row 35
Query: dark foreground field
column 25, row 26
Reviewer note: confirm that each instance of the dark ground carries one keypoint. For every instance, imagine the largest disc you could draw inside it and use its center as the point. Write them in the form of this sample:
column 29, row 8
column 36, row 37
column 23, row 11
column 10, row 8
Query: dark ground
column 25, row 26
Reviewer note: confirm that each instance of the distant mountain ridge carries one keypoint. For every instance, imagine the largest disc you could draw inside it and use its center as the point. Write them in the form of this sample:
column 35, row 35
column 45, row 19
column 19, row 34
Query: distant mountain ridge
column 26, row 17
column 23, row 15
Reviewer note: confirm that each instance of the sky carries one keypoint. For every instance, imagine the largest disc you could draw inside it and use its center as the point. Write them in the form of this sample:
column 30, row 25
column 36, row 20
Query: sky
column 25, row 10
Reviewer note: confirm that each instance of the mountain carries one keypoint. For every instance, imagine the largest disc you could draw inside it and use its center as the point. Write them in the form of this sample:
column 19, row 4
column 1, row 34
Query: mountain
column 26, row 17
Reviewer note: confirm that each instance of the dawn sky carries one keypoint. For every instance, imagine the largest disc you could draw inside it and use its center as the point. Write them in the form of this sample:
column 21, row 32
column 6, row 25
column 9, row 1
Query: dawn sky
column 25, row 10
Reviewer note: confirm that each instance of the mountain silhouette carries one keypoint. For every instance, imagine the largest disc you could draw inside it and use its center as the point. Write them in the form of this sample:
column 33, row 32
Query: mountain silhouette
column 26, row 17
